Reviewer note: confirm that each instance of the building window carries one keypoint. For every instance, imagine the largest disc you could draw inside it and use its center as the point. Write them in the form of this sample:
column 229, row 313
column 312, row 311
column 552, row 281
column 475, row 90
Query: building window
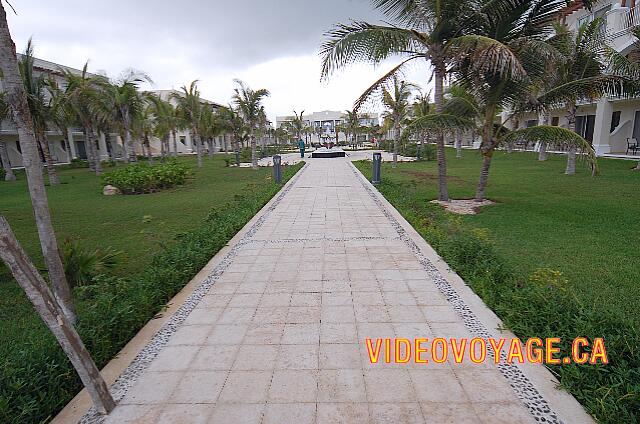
column 615, row 120
column 531, row 123
column 555, row 121
column 183, row 140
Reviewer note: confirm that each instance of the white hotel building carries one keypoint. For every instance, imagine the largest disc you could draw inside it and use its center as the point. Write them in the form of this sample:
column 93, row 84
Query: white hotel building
column 325, row 123
column 610, row 123
column 109, row 145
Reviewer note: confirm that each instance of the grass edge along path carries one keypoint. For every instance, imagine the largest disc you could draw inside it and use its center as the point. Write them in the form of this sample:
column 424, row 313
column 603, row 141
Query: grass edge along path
column 36, row 384
column 540, row 305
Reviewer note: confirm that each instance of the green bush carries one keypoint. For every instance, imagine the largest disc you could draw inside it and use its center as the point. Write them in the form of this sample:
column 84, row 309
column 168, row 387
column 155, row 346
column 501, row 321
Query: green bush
column 141, row 178
column 82, row 266
column 36, row 381
column 540, row 305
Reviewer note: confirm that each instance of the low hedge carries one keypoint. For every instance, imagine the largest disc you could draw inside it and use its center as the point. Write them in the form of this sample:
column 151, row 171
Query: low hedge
column 141, row 178
column 36, row 379
column 540, row 305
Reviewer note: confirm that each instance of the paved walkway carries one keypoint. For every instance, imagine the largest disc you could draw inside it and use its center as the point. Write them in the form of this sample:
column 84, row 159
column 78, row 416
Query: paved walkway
column 276, row 334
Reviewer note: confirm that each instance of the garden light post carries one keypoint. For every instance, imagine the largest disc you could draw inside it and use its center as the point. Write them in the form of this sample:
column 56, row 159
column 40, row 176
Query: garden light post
column 377, row 161
column 277, row 170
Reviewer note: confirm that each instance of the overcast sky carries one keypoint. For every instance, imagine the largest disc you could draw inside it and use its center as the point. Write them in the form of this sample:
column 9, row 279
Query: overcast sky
column 269, row 44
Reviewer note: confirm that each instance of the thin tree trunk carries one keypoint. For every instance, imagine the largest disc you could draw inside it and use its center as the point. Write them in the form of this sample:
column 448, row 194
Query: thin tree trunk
column 484, row 177
column 571, row 152
column 98, row 156
column 443, row 192
column 51, row 170
column 6, row 164
column 92, row 154
column 175, row 144
column 236, row 149
column 542, row 151
column 459, row 144
column 396, row 130
column 198, row 142
column 54, row 317
column 487, row 147
column 149, row 154
column 17, row 101
column 226, row 145
column 254, row 157
column 210, row 142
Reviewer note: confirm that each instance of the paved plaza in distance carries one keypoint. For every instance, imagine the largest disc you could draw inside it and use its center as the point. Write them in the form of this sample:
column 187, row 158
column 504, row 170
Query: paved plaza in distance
column 277, row 333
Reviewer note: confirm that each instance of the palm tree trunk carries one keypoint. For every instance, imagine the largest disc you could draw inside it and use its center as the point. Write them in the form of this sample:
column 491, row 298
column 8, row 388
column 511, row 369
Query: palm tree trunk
column 96, row 148
column 571, row 153
column 198, row 142
column 210, row 142
column 6, row 164
column 67, row 147
column 149, row 154
column 226, row 145
column 17, row 101
column 396, row 130
column 236, row 149
column 443, row 192
column 484, row 177
column 129, row 151
column 254, row 157
column 91, row 150
column 51, row 170
column 542, row 150
column 459, row 144
column 487, row 147
column 175, row 144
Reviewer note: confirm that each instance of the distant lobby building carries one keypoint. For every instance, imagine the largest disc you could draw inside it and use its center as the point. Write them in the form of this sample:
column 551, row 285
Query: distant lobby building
column 325, row 123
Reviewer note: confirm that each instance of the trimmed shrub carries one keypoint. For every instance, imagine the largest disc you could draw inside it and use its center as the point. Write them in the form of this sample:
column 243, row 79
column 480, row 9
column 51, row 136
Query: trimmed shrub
column 141, row 178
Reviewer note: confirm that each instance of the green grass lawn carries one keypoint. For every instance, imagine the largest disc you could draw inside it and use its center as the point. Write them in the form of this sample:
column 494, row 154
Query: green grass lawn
column 174, row 229
column 587, row 228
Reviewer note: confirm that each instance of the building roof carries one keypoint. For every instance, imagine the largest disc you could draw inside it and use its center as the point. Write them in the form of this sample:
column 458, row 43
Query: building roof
column 167, row 93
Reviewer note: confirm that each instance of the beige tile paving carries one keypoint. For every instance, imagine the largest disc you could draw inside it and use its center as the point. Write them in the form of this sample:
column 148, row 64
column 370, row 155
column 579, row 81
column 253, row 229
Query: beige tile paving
column 280, row 336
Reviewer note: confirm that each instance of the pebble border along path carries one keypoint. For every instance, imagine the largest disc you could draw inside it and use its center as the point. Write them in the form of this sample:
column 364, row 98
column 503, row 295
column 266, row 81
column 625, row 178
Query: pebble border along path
column 276, row 333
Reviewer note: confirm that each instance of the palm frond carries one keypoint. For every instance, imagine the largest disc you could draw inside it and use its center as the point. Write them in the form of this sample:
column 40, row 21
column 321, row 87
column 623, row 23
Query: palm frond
column 555, row 135
column 364, row 42
column 483, row 54
column 377, row 86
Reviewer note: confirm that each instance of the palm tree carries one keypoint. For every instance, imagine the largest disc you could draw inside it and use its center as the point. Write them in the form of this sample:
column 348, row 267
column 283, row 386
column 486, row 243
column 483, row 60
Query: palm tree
column 497, row 66
column 422, row 31
column 297, row 125
column 234, row 124
column 396, row 99
column 35, row 87
column 164, row 122
column 249, row 105
column 4, row 156
column 579, row 73
column 85, row 94
column 351, row 126
column 16, row 99
column 61, row 115
column 123, row 105
column 190, row 107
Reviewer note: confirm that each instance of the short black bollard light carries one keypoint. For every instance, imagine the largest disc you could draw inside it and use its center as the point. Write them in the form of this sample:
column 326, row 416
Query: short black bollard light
column 377, row 161
column 277, row 170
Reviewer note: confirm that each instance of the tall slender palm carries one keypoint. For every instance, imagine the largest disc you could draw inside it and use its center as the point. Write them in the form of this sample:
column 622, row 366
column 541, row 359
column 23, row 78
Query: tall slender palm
column 124, row 103
column 190, row 106
column 61, row 115
column 164, row 121
column 351, row 126
column 4, row 156
column 396, row 97
column 235, row 125
column 421, row 30
column 85, row 92
column 297, row 125
column 16, row 98
column 249, row 105
column 35, row 87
